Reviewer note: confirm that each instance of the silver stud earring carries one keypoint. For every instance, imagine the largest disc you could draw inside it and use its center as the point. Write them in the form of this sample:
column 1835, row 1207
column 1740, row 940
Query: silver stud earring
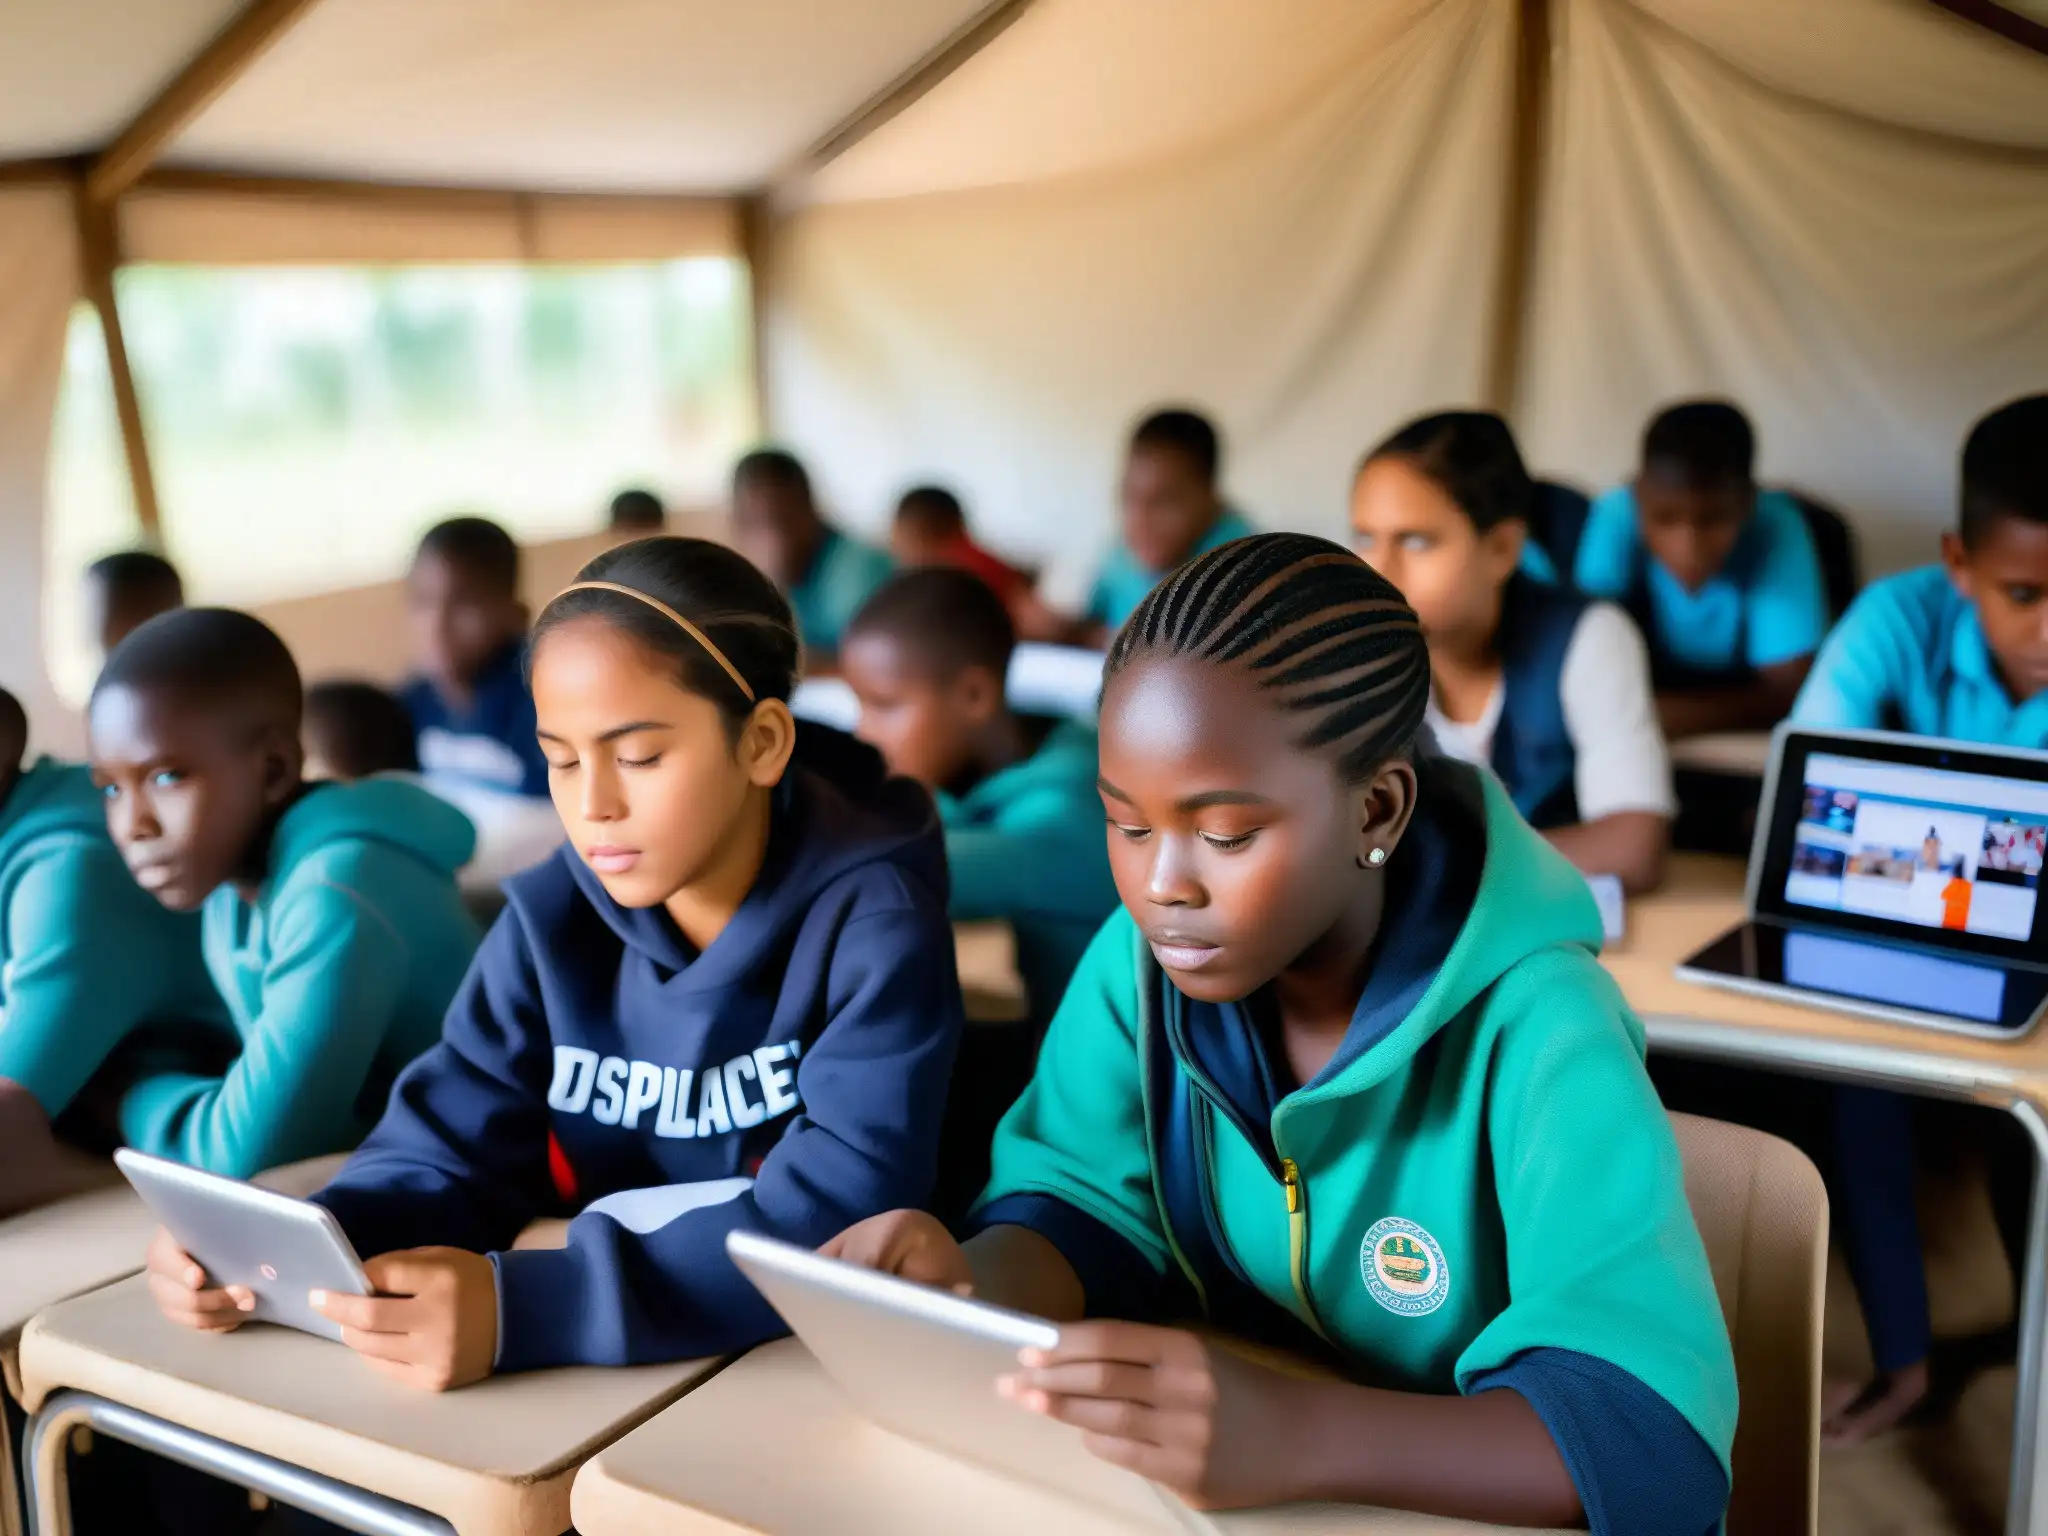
column 1376, row 858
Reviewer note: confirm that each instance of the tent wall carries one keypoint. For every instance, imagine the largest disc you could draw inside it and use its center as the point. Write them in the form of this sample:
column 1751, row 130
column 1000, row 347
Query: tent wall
column 1841, row 222
column 1307, row 277
column 1836, row 212
column 38, row 284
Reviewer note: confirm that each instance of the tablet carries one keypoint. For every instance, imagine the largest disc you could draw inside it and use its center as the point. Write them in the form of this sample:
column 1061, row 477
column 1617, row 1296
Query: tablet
column 279, row 1247
column 924, row 1363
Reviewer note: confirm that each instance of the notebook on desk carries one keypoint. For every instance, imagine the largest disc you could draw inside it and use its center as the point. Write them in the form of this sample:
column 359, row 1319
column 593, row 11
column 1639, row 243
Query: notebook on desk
column 1895, row 877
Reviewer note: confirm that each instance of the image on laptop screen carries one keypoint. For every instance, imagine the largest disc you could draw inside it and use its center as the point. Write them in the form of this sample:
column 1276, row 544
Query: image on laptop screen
column 1927, row 847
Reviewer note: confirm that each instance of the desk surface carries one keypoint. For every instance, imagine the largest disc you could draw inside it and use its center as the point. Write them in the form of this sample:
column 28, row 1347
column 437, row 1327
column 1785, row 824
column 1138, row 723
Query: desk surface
column 1701, row 899
column 768, row 1445
column 484, row 1457
column 989, row 979
column 1744, row 754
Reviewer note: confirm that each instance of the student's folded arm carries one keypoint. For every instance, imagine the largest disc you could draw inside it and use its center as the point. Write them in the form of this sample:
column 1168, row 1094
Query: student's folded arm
column 872, row 1092
column 1613, row 1332
column 1756, row 705
column 1071, row 1161
column 1622, row 772
column 69, row 1000
column 459, row 1158
column 335, row 973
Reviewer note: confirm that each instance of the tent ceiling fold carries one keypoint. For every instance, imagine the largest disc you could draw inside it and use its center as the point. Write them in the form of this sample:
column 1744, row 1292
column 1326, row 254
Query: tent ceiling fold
column 601, row 96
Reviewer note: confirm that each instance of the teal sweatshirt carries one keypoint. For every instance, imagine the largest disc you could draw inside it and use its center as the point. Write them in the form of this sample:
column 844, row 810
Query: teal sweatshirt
column 86, row 956
column 1027, row 845
column 336, row 976
column 1480, row 1183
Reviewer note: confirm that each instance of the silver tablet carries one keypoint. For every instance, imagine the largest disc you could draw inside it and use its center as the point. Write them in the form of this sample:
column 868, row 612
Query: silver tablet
column 924, row 1363
column 279, row 1247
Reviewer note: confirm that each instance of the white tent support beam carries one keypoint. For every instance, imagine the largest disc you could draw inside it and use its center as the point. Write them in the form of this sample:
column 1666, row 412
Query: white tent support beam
column 1528, row 128
column 983, row 28
column 98, row 255
column 137, row 147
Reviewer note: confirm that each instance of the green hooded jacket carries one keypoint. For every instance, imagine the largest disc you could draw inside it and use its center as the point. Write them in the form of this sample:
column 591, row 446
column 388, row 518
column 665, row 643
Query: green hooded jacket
column 337, row 975
column 1482, row 1171
column 87, row 957
column 1027, row 845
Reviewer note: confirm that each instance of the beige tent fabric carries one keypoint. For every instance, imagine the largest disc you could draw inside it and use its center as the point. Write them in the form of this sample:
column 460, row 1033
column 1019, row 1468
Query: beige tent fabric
column 74, row 72
column 601, row 95
column 1783, row 223
column 1308, row 279
column 38, row 283
column 337, row 225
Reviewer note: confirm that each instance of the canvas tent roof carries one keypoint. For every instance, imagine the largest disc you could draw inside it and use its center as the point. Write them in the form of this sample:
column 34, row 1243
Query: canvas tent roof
column 996, row 231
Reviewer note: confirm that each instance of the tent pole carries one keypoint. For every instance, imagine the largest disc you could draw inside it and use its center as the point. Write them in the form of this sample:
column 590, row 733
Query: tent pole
column 981, row 29
column 219, row 64
column 1527, row 129
column 98, row 255
column 755, row 213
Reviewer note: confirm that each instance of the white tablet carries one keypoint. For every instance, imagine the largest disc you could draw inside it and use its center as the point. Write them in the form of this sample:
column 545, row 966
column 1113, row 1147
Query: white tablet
column 279, row 1247
column 924, row 1363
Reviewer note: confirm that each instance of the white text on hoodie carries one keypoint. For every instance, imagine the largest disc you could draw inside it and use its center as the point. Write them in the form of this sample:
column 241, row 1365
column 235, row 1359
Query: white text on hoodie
column 738, row 1095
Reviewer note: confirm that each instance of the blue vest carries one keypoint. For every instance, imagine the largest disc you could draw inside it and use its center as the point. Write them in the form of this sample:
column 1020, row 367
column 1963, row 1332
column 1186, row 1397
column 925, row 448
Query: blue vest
column 1532, row 750
column 1670, row 673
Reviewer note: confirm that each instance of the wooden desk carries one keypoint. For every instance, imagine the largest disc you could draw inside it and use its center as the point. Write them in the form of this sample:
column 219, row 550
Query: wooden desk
column 769, row 1446
column 1702, row 898
column 1739, row 754
column 78, row 1245
column 989, row 979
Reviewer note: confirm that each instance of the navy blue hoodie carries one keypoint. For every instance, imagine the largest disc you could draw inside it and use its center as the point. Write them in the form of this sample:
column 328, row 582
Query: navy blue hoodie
column 790, row 1080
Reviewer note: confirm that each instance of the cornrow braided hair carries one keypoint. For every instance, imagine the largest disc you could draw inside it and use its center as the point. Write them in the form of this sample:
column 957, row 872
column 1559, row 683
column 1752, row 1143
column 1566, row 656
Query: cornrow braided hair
column 1314, row 623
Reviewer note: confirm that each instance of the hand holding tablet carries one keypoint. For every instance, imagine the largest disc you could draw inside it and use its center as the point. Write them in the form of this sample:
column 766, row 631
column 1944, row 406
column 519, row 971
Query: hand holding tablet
column 261, row 1253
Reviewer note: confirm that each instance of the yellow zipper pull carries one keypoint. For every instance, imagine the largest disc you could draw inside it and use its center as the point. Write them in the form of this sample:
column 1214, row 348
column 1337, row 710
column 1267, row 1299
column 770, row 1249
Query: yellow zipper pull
column 1291, row 1175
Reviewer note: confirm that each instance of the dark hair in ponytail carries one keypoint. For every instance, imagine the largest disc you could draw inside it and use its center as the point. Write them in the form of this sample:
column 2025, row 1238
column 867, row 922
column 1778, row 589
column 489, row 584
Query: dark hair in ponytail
column 1472, row 458
column 1314, row 623
column 737, row 608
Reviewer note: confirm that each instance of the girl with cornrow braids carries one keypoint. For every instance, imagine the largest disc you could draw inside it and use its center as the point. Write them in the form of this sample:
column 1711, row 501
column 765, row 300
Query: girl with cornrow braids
column 1343, row 1077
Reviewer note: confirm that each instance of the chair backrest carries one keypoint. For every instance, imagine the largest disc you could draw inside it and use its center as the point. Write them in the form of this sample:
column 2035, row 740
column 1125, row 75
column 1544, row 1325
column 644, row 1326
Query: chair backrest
column 1763, row 1214
column 1834, row 542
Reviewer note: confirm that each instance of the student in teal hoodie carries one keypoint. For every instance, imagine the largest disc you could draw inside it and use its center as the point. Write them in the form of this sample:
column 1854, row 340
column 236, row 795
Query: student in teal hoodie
column 1344, row 1076
column 86, row 960
column 331, row 921
column 927, row 658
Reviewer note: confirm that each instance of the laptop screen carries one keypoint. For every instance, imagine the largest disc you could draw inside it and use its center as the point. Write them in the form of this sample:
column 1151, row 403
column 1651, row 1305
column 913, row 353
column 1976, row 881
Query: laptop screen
column 1902, row 836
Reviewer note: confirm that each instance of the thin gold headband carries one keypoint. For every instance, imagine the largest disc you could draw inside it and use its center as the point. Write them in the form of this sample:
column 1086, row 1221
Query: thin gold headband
column 659, row 606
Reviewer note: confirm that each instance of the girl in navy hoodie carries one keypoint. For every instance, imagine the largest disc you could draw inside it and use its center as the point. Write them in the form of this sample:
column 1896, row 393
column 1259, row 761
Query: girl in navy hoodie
column 729, row 1001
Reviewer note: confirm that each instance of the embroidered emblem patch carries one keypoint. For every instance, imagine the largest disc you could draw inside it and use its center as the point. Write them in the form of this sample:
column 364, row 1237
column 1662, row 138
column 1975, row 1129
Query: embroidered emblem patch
column 1404, row 1268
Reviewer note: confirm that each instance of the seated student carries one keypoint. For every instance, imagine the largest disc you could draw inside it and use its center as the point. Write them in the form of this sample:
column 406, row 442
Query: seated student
column 1957, row 650
column 637, row 512
column 1172, row 510
column 1960, row 648
column 126, row 590
column 930, row 528
column 927, row 657
column 331, row 921
column 86, row 960
column 730, row 1002
column 354, row 730
column 825, row 574
column 1548, row 689
column 469, row 701
column 1722, row 577
column 1346, row 1076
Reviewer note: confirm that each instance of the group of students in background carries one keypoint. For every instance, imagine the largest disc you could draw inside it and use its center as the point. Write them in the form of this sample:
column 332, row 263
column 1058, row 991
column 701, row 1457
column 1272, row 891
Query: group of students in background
column 1288, row 951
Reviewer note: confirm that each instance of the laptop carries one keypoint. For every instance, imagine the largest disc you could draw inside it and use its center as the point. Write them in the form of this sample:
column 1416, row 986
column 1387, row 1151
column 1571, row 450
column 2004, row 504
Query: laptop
column 1896, row 877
